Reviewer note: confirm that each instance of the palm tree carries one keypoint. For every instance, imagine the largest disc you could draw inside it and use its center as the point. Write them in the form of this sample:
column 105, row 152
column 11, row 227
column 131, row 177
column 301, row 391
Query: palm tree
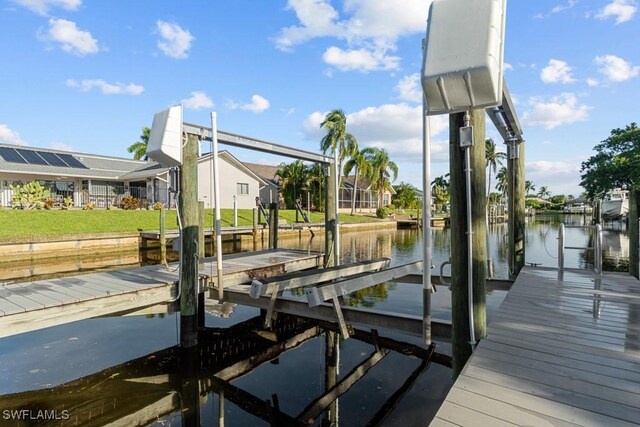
column 529, row 187
column 315, row 181
column 139, row 149
column 493, row 158
column 292, row 177
column 382, row 169
column 362, row 169
column 440, row 191
column 503, row 181
column 337, row 137
column 544, row 192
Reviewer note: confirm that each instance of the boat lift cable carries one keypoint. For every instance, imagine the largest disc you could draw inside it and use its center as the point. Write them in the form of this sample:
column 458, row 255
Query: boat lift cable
column 467, row 158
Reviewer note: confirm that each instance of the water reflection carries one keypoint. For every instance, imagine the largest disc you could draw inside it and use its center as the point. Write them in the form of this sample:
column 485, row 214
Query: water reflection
column 227, row 377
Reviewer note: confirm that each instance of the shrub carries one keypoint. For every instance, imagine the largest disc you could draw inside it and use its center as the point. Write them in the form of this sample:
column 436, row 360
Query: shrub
column 129, row 203
column 391, row 207
column 29, row 196
column 49, row 203
column 67, row 203
column 89, row 206
column 382, row 213
column 157, row 206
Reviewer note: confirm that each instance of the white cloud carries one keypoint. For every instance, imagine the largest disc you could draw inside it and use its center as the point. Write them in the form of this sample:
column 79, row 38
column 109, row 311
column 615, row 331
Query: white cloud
column 197, row 100
column 258, row 104
column 508, row 67
column 557, row 72
column 61, row 146
column 360, row 59
column 106, row 88
column 562, row 7
column 622, row 10
column 409, row 88
column 562, row 177
column 175, row 41
column 394, row 127
column 369, row 28
column 559, row 110
column 41, row 7
column 9, row 136
column 70, row 37
column 592, row 82
column 616, row 69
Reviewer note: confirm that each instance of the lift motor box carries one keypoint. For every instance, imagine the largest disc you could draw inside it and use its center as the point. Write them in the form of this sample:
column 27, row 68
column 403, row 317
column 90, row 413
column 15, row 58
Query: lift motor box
column 165, row 139
column 464, row 55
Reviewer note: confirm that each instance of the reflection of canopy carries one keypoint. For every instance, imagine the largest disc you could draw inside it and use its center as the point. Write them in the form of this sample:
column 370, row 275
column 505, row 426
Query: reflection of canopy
column 172, row 380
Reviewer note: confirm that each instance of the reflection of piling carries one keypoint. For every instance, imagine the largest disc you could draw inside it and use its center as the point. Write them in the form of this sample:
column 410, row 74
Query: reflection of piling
column 459, row 245
column 331, row 361
column 163, row 240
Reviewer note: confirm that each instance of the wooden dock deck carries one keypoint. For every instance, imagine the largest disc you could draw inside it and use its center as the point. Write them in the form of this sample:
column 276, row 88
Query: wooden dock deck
column 35, row 305
column 557, row 353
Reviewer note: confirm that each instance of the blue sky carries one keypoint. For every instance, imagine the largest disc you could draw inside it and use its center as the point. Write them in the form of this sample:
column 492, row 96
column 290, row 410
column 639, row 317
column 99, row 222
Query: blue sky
column 86, row 75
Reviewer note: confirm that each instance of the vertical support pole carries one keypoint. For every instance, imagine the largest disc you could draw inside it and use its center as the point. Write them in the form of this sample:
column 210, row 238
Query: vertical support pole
column 634, row 230
column 201, row 255
column 273, row 226
column 561, row 252
column 189, row 241
column 216, row 201
column 597, row 212
column 254, row 218
column 462, row 349
column 515, row 167
column 330, row 226
column 163, row 239
column 235, row 210
column 426, row 229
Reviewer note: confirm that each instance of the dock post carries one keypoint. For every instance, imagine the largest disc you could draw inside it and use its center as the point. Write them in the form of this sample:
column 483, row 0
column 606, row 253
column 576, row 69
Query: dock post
column 189, row 267
column 330, row 226
column 461, row 346
column 163, row 239
column 273, row 226
column 597, row 212
column 201, row 256
column 515, row 167
column 634, row 229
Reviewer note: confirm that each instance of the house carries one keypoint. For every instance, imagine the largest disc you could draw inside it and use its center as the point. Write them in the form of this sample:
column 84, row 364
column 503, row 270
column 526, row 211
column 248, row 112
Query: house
column 366, row 195
column 270, row 193
column 105, row 180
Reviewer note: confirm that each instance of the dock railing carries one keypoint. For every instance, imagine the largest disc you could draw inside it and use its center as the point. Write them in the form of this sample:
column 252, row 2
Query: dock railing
column 596, row 248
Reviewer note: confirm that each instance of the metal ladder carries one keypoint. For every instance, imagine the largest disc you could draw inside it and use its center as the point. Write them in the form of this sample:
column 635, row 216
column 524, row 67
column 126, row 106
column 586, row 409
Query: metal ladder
column 597, row 248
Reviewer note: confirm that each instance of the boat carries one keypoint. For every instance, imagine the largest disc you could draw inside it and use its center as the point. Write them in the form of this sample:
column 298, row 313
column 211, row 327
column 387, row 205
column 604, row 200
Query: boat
column 615, row 204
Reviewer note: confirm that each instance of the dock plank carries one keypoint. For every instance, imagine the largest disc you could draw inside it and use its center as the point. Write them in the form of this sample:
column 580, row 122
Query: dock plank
column 547, row 361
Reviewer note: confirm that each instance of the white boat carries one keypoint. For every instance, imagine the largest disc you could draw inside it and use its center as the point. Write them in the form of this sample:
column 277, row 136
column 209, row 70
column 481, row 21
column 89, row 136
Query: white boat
column 615, row 204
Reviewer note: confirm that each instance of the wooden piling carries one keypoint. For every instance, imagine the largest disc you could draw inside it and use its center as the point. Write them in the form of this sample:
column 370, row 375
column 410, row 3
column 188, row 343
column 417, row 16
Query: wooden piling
column 517, row 196
column 189, row 268
column 273, row 226
column 597, row 212
column 330, row 257
column 634, row 229
column 459, row 268
column 163, row 239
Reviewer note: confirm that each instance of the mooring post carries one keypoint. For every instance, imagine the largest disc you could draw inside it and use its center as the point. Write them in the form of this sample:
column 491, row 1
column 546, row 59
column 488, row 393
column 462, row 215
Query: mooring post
column 634, row 229
column 163, row 239
column 190, row 225
column 597, row 212
column 515, row 168
column 273, row 226
column 461, row 345
column 201, row 256
column 330, row 255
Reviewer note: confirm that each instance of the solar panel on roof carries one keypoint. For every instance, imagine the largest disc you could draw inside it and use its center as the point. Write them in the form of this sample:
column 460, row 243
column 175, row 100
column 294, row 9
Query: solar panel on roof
column 11, row 155
column 52, row 159
column 32, row 157
column 72, row 161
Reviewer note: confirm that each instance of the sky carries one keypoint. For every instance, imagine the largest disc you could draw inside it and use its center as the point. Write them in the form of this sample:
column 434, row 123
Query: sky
column 87, row 75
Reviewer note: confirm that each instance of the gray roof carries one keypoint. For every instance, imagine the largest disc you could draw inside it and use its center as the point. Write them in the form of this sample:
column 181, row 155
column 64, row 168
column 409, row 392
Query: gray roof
column 267, row 172
column 99, row 167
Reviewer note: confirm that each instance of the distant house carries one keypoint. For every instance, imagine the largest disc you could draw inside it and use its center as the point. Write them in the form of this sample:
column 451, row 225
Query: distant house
column 366, row 196
column 270, row 193
column 105, row 180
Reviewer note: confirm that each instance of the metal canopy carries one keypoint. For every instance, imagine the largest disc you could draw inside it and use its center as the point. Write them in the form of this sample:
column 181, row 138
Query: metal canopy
column 241, row 141
column 505, row 118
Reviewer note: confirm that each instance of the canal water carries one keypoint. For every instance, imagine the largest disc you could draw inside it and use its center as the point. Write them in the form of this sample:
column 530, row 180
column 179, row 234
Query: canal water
column 126, row 369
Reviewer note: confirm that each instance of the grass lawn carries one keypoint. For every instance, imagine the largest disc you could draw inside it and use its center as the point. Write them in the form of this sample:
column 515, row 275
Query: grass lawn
column 18, row 223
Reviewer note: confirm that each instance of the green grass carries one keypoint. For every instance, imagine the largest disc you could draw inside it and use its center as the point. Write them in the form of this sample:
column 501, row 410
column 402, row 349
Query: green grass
column 18, row 223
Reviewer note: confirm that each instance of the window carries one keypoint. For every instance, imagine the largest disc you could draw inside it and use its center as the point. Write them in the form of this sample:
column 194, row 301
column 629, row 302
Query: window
column 243, row 188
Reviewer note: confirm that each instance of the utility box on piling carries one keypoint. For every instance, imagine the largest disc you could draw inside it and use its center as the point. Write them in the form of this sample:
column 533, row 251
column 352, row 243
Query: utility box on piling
column 464, row 55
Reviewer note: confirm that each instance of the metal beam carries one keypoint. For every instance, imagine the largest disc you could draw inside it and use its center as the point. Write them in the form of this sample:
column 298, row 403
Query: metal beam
column 505, row 118
column 250, row 143
column 317, row 295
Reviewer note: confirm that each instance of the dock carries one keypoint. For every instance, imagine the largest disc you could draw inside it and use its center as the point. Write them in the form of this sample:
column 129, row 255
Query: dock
column 557, row 353
column 35, row 305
